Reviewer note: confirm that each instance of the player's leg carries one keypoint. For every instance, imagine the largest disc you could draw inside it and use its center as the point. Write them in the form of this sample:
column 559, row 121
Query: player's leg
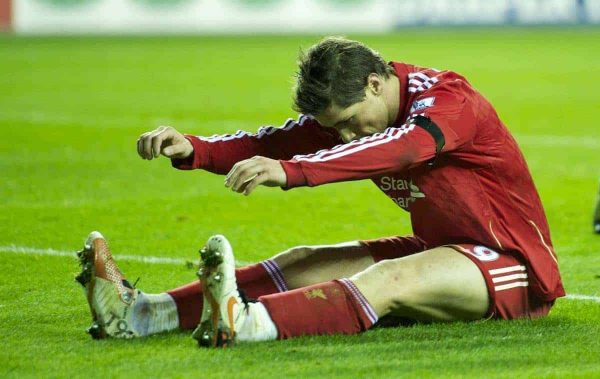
column 119, row 310
column 439, row 284
column 436, row 285
column 289, row 269
column 306, row 265
column 299, row 267
column 181, row 307
column 256, row 280
column 461, row 282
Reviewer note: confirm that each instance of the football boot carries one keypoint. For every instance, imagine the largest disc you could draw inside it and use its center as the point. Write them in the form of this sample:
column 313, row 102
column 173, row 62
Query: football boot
column 110, row 296
column 224, row 309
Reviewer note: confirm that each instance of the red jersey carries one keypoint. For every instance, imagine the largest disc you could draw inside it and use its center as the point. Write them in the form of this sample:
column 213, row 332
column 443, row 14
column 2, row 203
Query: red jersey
column 447, row 159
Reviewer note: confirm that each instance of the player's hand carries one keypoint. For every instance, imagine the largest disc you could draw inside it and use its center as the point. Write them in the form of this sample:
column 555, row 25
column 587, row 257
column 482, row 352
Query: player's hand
column 166, row 141
column 246, row 175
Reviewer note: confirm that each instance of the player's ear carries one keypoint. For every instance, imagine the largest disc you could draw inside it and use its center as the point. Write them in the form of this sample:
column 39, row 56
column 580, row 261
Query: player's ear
column 374, row 84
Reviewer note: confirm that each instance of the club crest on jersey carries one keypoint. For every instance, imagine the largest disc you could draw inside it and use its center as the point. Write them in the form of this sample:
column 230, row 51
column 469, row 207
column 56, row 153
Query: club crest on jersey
column 418, row 105
column 315, row 293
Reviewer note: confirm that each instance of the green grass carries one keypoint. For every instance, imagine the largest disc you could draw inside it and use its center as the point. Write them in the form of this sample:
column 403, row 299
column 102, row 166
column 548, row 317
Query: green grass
column 71, row 110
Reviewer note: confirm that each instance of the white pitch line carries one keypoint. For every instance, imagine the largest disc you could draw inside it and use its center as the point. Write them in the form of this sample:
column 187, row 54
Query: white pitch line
column 61, row 253
column 14, row 249
column 583, row 297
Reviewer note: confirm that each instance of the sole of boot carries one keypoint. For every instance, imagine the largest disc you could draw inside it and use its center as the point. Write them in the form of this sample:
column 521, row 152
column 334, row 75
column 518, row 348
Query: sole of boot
column 87, row 280
column 211, row 332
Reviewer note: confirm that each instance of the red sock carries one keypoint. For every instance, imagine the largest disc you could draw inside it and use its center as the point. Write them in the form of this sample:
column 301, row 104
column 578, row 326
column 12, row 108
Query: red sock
column 335, row 307
column 256, row 280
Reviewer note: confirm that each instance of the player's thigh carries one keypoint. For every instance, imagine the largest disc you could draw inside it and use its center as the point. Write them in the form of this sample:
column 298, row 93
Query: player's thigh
column 440, row 284
column 306, row 265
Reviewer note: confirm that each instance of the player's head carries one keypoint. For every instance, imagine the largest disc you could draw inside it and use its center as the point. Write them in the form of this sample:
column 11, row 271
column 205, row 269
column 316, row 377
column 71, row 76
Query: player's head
column 345, row 84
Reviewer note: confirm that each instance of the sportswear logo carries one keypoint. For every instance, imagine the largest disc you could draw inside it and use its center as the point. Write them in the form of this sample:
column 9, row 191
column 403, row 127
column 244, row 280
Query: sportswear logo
column 505, row 278
column 422, row 104
column 230, row 303
column 415, row 192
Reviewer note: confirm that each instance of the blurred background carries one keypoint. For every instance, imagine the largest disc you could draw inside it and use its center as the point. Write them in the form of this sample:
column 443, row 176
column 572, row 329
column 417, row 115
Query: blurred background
column 281, row 16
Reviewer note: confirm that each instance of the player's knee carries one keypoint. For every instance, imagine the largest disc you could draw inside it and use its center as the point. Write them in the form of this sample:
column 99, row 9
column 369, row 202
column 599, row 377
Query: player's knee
column 403, row 283
column 300, row 252
column 293, row 255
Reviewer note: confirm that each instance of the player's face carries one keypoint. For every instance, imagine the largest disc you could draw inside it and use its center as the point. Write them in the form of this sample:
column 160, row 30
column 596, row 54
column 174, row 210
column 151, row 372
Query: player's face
column 361, row 119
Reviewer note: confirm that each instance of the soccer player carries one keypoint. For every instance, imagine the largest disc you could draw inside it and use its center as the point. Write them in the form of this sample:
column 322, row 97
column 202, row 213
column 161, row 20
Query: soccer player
column 480, row 247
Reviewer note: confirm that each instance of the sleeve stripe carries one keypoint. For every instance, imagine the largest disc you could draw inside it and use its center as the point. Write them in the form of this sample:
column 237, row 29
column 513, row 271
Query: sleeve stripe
column 262, row 131
column 366, row 143
column 342, row 147
column 419, row 82
column 419, row 75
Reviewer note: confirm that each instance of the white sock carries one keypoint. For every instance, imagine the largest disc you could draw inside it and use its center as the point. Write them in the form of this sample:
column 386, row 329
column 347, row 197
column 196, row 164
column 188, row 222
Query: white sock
column 154, row 314
column 258, row 325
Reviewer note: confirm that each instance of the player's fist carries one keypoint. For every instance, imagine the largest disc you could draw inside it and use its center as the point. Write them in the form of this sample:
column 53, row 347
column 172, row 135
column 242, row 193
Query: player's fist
column 246, row 175
column 164, row 140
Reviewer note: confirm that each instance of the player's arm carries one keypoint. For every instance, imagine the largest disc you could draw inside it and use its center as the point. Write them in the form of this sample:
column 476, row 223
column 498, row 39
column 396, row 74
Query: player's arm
column 428, row 133
column 392, row 150
column 220, row 153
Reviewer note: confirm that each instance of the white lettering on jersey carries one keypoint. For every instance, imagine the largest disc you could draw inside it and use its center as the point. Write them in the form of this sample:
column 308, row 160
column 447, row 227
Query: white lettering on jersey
column 389, row 183
column 402, row 202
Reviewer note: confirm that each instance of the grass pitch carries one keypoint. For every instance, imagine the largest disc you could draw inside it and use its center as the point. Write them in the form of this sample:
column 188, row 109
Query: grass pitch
column 71, row 110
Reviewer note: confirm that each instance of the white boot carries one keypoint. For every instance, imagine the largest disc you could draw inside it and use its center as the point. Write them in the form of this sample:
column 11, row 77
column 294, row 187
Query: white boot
column 227, row 317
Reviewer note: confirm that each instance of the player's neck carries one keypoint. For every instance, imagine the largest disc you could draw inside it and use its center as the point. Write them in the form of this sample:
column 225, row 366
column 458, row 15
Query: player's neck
column 392, row 96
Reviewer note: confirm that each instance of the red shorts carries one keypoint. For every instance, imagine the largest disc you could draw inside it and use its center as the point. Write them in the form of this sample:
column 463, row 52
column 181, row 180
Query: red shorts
column 505, row 274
